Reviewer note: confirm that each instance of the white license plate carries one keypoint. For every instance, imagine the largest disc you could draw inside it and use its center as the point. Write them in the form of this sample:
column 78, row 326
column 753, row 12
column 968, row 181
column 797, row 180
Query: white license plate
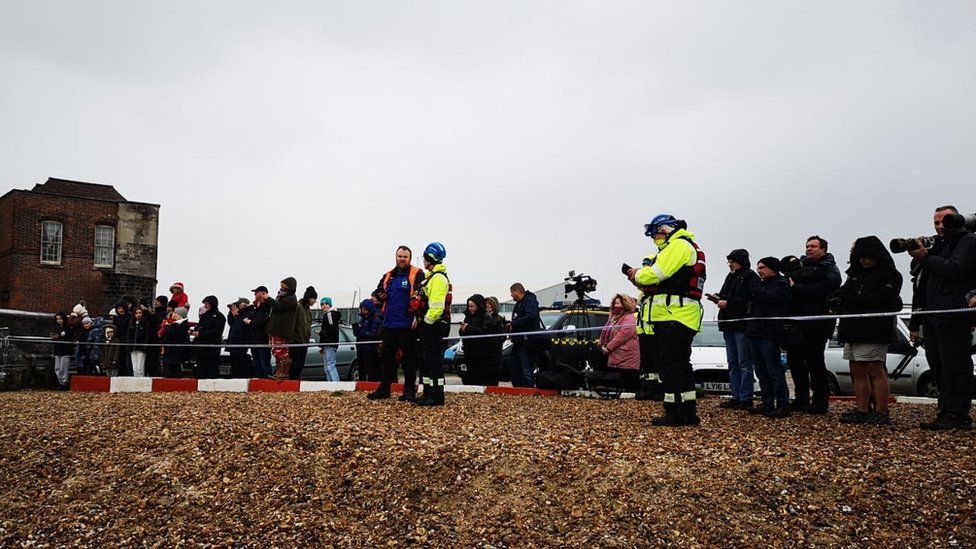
column 717, row 387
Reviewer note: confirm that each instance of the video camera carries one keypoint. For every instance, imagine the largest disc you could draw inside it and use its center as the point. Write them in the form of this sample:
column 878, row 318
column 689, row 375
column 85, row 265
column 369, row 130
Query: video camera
column 950, row 221
column 579, row 284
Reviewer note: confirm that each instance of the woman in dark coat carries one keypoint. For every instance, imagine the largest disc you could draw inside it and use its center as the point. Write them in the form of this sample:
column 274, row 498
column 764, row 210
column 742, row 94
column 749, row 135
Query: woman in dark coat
column 770, row 298
column 210, row 332
column 483, row 355
column 873, row 285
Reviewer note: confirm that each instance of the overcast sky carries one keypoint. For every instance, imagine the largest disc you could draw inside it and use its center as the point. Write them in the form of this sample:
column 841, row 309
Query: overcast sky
column 311, row 138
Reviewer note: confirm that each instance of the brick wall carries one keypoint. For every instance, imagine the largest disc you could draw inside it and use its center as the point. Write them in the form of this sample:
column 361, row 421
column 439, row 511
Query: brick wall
column 27, row 284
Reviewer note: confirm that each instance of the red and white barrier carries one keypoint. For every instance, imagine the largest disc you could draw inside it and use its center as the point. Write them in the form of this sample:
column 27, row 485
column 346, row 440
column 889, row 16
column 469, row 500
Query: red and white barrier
column 99, row 384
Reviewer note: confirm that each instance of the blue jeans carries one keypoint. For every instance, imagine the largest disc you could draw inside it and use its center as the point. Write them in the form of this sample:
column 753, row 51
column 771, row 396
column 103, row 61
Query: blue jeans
column 771, row 373
column 739, row 355
column 331, row 373
column 523, row 368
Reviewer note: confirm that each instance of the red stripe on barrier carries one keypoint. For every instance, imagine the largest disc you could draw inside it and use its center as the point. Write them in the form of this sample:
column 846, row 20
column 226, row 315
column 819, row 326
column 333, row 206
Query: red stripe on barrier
column 523, row 391
column 174, row 385
column 274, row 386
column 91, row 384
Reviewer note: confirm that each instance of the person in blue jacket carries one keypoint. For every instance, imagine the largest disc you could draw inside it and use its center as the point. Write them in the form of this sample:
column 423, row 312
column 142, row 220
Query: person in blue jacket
column 368, row 329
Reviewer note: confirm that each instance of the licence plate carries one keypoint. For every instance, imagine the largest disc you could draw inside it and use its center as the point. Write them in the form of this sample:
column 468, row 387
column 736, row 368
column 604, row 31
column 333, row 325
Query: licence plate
column 717, row 387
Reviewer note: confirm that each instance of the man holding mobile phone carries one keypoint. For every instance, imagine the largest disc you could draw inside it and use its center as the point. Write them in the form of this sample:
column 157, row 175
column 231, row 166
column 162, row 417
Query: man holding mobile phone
column 733, row 303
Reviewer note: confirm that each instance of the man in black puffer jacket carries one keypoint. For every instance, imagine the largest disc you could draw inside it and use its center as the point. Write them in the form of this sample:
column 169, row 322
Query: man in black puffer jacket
column 816, row 279
column 873, row 285
column 949, row 273
column 733, row 303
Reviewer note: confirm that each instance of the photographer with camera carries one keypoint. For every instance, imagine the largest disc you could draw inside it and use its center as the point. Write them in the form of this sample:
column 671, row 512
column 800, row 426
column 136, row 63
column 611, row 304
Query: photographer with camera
column 947, row 273
column 812, row 280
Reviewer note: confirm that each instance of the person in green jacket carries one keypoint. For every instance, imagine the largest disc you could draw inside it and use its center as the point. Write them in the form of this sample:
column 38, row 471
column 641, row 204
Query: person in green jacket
column 435, row 324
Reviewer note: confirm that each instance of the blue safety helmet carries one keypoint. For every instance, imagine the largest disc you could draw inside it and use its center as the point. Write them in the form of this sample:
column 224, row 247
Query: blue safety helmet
column 435, row 252
column 663, row 219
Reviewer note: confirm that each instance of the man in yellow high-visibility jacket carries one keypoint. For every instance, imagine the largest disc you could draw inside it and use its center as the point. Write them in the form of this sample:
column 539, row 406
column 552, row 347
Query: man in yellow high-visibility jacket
column 673, row 281
column 435, row 325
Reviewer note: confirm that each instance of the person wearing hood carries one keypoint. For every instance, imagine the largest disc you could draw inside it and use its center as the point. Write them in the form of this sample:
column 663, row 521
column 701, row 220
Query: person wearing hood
column 83, row 360
column 281, row 325
column 769, row 296
column 175, row 336
column 368, row 330
column 673, row 279
column 303, row 333
column 121, row 321
column 812, row 283
column 111, row 357
column 947, row 273
column 733, row 304
column 178, row 295
column 209, row 333
column 873, row 285
column 484, row 354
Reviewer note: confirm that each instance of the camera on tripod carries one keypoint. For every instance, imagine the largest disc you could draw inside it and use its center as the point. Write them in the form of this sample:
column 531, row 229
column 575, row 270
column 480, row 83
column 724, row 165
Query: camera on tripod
column 579, row 284
column 950, row 221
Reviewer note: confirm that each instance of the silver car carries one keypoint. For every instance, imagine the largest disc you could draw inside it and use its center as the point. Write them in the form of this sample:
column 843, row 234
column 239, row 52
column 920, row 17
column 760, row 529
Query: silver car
column 914, row 378
column 346, row 361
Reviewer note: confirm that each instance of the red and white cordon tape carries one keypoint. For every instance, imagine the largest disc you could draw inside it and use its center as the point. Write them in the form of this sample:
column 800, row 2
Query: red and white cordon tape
column 101, row 384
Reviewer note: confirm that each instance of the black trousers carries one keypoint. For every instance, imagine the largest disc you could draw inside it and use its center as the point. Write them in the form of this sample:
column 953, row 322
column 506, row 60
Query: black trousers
column 648, row 365
column 405, row 341
column 370, row 368
column 432, row 345
column 240, row 366
column 483, row 368
column 208, row 364
column 674, row 360
column 297, row 356
column 947, row 349
column 809, row 372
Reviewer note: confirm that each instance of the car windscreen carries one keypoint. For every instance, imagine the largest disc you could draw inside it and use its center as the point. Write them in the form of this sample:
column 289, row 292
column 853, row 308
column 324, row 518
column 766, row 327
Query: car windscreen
column 550, row 318
column 709, row 336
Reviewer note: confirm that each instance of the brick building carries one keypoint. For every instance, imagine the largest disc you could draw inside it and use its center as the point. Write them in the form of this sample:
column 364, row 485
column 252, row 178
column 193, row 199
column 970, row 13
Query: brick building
column 63, row 241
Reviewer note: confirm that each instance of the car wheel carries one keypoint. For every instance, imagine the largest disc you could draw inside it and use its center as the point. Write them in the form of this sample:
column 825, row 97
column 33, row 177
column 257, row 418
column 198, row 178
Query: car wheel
column 353, row 371
column 834, row 385
column 927, row 387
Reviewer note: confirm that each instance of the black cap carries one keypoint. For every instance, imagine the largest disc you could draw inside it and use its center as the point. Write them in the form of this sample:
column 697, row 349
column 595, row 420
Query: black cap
column 260, row 289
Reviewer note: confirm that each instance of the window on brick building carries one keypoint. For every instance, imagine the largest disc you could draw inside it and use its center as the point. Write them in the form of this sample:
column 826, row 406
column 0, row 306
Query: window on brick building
column 51, row 235
column 104, row 245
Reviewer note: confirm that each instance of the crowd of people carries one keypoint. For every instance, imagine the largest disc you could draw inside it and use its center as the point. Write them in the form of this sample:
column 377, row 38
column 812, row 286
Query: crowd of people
column 405, row 323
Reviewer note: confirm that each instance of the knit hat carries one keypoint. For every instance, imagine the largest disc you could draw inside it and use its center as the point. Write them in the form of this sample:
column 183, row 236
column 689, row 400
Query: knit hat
column 176, row 285
column 290, row 284
column 87, row 320
column 161, row 300
column 212, row 300
column 740, row 256
column 310, row 293
column 326, row 300
column 182, row 311
column 79, row 310
column 772, row 263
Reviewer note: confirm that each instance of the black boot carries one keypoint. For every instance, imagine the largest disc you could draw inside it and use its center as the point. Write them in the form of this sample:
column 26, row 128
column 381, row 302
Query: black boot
column 381, row 392
column 433, row 396
column 410, row 393
column 671, row 417
column 689, row 413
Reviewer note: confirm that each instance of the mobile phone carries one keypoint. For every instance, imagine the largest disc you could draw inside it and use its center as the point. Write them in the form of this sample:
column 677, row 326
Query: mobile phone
column 713, row 298
column 625, row 268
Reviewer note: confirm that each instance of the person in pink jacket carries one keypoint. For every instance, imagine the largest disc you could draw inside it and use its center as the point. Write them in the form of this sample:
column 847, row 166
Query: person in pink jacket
column 618, row 340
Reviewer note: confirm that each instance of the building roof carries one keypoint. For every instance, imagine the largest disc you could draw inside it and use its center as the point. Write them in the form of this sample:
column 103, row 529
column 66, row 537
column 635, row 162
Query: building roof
column 78, row 189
